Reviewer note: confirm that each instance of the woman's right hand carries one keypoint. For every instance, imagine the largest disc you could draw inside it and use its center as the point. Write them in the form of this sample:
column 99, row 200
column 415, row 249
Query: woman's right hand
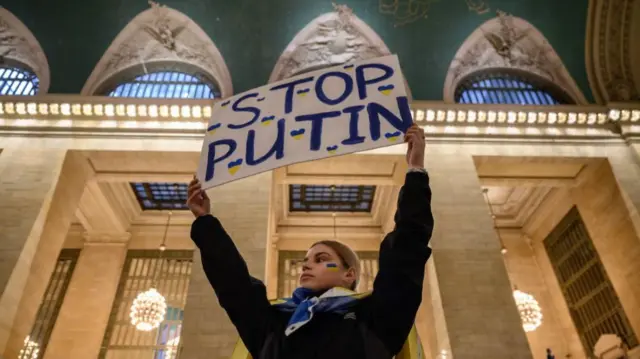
column 197, row 199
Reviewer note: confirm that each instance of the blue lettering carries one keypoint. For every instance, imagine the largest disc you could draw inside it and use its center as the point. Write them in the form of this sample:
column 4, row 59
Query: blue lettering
column 288, row 97
column 316, row 126
column 348, row 88
column 212, row 159
column 353, row 139
column 376, row 110
column 362, row 82
column 277, row 148
column 254, row 110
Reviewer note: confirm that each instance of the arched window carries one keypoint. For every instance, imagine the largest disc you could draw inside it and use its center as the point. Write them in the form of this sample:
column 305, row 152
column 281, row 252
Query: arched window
column 17, row 82
column 166, row 84
column 509, row 87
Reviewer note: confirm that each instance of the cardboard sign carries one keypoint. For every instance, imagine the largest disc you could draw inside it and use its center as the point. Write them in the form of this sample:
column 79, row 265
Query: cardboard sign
column 330, row 112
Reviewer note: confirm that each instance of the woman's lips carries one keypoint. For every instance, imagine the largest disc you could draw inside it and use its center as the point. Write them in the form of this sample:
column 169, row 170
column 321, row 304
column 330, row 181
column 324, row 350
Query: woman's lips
column 305, row 276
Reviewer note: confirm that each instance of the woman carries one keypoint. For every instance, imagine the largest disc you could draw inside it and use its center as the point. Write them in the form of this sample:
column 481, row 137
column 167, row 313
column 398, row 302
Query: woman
column 325, row 318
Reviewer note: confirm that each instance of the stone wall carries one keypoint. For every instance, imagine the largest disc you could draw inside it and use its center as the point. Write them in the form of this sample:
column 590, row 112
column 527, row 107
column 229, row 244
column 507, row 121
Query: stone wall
column 40, row 190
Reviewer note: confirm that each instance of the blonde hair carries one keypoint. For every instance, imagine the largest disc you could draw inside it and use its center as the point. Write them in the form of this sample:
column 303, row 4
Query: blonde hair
column 347, row 256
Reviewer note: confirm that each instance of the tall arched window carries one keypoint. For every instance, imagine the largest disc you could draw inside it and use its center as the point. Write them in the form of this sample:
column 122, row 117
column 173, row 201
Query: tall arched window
column 166, row 84
column 509, row 87
column 15, row 81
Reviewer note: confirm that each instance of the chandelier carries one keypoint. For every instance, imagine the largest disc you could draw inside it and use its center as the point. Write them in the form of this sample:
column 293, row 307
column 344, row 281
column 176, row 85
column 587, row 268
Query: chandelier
column 528, row 307
column 30, row 350
column 149, row 308
column 530, row 312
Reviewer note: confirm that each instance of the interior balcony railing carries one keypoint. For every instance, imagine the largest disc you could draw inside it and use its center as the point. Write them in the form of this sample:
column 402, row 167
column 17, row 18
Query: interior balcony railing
column 59, row 115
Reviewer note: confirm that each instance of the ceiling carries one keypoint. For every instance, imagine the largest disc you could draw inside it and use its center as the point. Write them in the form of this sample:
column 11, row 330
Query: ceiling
column 362, row 231
column 516, row 186
column 251, row 35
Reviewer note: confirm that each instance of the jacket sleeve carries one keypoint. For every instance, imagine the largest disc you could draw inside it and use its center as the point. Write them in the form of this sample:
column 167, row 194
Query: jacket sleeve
column 397, row 289
column 243, row 297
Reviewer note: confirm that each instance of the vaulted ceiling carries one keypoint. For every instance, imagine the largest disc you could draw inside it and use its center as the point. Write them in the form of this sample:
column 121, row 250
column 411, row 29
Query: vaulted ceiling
column 251, row 35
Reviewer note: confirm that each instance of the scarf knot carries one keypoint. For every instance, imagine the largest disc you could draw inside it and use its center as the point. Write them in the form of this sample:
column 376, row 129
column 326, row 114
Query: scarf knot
column 304, row 304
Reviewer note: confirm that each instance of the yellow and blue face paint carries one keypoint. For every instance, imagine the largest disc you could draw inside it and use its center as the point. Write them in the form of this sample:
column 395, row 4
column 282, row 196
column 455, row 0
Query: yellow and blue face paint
column 333, row 267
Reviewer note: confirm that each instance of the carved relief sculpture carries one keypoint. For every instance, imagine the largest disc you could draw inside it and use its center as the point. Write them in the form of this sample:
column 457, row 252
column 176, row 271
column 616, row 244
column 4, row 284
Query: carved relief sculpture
column 331, row 39
column 17, row 43
column 161, row 34
column 508, row 42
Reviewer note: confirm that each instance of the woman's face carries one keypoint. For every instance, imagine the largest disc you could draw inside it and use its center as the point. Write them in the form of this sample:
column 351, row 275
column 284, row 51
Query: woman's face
column 322, row 269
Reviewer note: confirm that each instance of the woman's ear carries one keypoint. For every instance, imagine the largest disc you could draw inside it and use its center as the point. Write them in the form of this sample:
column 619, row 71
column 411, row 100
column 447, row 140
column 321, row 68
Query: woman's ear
column 350, row 276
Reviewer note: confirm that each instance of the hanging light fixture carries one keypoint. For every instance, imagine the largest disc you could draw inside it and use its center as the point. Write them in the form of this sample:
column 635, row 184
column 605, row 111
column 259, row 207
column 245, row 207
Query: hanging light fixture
column 528, row 307
column 503, row 249
column 530, row 312
column 149, row 307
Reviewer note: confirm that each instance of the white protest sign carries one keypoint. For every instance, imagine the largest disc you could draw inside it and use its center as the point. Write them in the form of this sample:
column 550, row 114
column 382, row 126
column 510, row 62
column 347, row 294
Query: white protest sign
column 330, row 112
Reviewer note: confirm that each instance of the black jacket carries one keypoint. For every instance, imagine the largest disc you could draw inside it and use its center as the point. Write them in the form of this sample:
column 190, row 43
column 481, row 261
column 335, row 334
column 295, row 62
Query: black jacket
column 382, row 320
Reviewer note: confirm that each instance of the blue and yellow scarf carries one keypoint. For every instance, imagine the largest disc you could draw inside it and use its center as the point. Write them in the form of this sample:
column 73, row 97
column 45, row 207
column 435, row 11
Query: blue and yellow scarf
column 304, row 304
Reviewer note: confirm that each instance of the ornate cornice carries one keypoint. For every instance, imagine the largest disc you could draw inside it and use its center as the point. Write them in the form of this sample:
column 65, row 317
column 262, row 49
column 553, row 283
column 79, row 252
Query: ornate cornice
column 90, row 116
column 17, row 43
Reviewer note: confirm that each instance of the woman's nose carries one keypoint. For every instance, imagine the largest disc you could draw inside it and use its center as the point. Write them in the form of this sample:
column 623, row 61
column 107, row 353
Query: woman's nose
column 305, row 267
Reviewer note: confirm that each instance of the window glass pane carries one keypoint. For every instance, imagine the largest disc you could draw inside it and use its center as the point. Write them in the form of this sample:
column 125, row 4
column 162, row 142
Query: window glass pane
column 36, row 343
column 586, row 287
column 506, row 88
column 165, row 84
column 306, row 198
column 156, row 195
column 170, row 274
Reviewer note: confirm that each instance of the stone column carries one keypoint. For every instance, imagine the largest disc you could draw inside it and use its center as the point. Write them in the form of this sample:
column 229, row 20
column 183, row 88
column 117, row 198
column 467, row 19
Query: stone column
column 84, row 314
column 40, row 190
column 626, row 168
column 477, row 301
column 242, row 207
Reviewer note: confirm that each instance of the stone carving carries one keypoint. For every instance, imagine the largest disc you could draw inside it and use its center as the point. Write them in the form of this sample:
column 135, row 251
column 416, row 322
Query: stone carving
column 19, row 45
column 507, row 46
column 512, row 43
column 331, row 39
column 161, row 34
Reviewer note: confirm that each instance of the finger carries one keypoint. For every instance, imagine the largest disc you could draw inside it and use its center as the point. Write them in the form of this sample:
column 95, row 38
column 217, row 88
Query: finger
column 193, row 197
column 193, row 188
column 204, row 194
column 411, row 141
column 409, row 133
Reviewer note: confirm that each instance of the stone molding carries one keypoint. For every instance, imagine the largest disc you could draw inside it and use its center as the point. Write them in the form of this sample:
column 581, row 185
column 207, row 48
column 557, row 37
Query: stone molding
column 106, row 238
column 608, row 51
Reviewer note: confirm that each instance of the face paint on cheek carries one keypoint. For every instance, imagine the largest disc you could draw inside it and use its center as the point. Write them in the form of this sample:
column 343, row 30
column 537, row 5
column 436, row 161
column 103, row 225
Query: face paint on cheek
column 333, row 267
